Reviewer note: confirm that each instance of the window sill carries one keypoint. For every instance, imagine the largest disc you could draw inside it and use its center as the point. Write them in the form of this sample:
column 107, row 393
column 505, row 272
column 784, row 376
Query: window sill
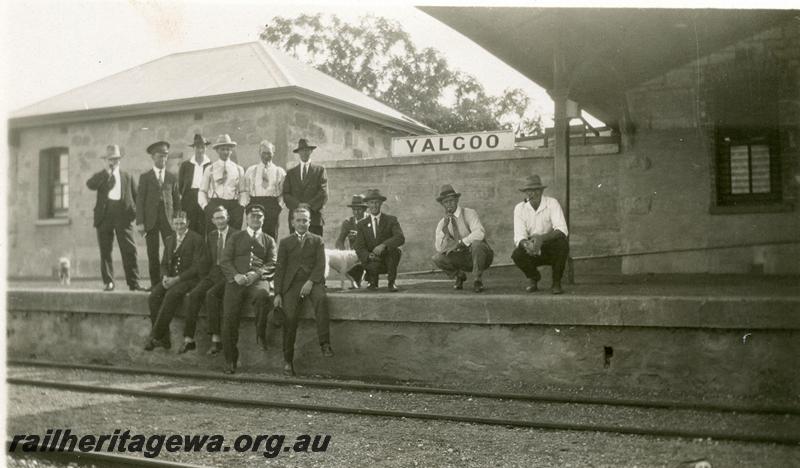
column 753, row 209
column 53, row 222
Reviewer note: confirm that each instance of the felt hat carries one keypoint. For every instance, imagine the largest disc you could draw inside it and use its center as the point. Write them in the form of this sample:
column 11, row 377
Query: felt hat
column 303, row 144
column 447, row 191
column 357, row 201
column 532, row 183
column 200, row 141
column 112, row 152
column 374, row 194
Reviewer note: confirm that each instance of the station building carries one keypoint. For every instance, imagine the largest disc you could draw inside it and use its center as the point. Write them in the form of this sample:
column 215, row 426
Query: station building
column 250, row 91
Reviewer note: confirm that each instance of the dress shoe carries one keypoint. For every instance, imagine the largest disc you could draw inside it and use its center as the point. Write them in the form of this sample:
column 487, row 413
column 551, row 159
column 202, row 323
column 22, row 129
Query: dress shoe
column 392, row 287
column 327, row 351
column 288, row 370
column 230, row 368
column 215, row 348
column 109, row 287
column 557, row 288
column 460, row 278
column 150, row 345
column 154, row 343
column 139, row 288
column 372, row 287
column 477, row 286
column 187, row 346
column 533, row 287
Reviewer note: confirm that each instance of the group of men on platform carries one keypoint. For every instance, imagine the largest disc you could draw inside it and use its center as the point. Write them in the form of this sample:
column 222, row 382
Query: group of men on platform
column 219, row 223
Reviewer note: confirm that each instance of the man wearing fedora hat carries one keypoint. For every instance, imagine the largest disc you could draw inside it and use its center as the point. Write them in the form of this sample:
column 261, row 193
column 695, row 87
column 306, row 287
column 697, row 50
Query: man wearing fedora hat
column 378, row 239
column 114, row 213
column 190, row 174
column 223, row 183
column 347, row 236
column 157, row 199
column 306, row 183
column 540, row 235
column 265, row 187
column 460, row 241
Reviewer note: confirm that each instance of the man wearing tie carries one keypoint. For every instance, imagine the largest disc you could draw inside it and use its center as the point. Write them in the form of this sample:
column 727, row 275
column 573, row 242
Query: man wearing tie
column 211, row 287
column 265, row 187
column 300, row 282
column 190, row 174
column 378, row 239
column 248, row 263
column 158, row 198
column 114, row 213
column 306, row 183
column 179, row 266
column 460, row 241
column 223, row 184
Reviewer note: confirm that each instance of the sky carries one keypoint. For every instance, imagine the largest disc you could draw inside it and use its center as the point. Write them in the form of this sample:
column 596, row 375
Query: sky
column 59, row 45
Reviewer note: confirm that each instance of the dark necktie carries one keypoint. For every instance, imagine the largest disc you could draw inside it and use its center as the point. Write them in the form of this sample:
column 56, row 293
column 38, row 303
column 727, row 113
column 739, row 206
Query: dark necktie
column 220, row 245
column 375, row 226
column 160, row 178
column 304, row 172
column 456, row 233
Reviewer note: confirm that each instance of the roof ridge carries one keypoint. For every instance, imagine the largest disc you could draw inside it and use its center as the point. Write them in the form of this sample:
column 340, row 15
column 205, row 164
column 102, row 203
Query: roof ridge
column 265, row 49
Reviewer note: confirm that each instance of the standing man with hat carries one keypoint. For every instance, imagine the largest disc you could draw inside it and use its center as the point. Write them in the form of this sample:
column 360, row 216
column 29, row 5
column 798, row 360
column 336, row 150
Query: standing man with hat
column 540, row 235
column 248, row 263
column 306, row 183
column 114, row 213
column 460, row 241
column 223, row 184
column 347, row 236
column 378, row 239
column 158, row 198
column 265, row 187
column 190, row 174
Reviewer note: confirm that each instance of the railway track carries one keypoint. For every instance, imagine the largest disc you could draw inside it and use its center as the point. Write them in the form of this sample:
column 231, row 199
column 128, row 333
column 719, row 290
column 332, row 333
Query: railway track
column 533, row 423
column 94, row 459
column 541, row 397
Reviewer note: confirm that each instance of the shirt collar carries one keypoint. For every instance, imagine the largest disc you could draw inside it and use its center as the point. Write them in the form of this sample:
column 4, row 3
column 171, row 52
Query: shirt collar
column 156, row 170
column 541, row 205
column 456, row 213
column 301, row 236
column 251, row 232
column 267, row 165
column 224, row 231
column 180, row 237
column 205, row 160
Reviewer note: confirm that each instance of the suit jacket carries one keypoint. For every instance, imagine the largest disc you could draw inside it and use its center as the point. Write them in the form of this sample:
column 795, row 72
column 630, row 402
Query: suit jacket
column 186, row 175
column 312, row 190
column 184, row 262
column 300, row 264
column 243, row 254
column 389, row 234
column 102, row 182
column 348, row 225
column 150, row 194
column 209, row 260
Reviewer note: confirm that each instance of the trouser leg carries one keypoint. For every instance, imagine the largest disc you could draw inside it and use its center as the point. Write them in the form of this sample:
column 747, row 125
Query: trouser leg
column 105, row 240
column 153, row 262
column 236, row 212
column 357, row 273
column 555, row 253
column 194, row 301
column 155, row 300
column 452, row 264
column 317, row 301
column 127, row 249
column 482, row 257
column 232, row 307
column 391, row 258
column 214, row 307
column 172, row 301
column 527, row 263
column 291, row 308
column 193, row 211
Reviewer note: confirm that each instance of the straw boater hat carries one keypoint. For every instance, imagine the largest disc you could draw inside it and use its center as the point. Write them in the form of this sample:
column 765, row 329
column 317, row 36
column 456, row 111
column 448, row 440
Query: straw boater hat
column 303, row 144
column 112, row 152
column 447, row 191
column 374, row 194
column 223, row 140
column 532, row 183
column 357, row 201
column 200, row 141
column 154, row 147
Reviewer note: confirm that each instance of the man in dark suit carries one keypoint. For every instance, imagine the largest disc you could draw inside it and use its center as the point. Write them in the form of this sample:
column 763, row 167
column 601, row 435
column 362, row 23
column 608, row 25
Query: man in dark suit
column 306, row 183
column 190, row 174
column 158, row 198
column 299, row 282
column 347, row 237
column 211, row 287
column 378, row 237
column 114, row 212
column 179, row 266
column 248, row 263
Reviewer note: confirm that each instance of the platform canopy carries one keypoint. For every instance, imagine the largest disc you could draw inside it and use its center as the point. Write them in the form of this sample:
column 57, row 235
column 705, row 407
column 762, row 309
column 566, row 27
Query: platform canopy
column 605, row 50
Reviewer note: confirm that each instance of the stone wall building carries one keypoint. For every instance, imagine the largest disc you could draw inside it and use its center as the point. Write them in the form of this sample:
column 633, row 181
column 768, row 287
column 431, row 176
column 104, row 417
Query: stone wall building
column 252, row 92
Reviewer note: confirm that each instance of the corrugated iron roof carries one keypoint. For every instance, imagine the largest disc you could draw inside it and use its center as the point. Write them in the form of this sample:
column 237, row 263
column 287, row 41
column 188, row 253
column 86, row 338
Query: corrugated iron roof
column 228, row 70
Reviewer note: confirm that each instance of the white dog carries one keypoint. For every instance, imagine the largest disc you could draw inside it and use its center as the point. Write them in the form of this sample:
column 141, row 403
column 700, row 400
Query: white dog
column 341, row 261
column 63, row 271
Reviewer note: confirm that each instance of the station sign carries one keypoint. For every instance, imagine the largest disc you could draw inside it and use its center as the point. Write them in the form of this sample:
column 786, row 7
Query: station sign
column 453, row 143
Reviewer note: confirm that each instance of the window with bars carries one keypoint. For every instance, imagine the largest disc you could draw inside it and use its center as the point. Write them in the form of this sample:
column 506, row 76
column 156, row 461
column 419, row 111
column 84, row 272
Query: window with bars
column 54, row 183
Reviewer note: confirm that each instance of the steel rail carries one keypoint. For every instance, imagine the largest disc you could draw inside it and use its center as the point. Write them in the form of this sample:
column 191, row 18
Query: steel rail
column 91, row 458
column 531, row 424
column 545, row 398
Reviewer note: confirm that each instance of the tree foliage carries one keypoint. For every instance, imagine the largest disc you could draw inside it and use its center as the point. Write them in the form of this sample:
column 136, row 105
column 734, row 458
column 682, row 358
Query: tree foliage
column 377, row 57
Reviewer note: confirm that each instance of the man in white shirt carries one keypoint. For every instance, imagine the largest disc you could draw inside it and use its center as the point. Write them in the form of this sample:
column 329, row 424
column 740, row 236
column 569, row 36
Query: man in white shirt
column 223, row 184
column 265, row 187
column 190, row 174
column 460, row 241
column 540, row 235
